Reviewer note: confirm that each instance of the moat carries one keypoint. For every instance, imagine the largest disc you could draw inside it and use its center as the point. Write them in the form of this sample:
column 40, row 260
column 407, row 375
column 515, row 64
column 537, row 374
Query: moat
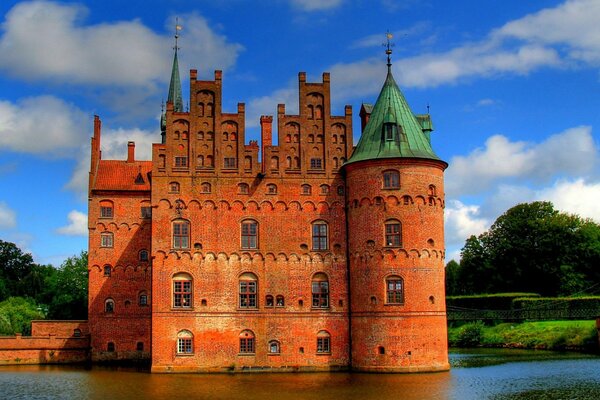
column 475, row 374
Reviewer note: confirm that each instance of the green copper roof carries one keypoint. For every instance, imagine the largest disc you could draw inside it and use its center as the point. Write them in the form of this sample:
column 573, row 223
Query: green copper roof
column 393, row 130
column 175, row 86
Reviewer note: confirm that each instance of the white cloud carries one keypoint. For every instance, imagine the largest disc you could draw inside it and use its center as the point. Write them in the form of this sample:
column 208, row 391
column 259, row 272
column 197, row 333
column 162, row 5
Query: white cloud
column 48, row 40
column 43, row 125
column 316, row 5
column 77, row 224
column 8, row 218
column 267, row 105
column 569, row 153
column 486, row 102
column 462, row 221
column 575, row 197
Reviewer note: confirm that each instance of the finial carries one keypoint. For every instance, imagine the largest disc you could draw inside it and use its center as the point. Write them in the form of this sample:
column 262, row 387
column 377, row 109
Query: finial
column 177, row 29
column 162, row 106
column 389, row 46
column 427, row 108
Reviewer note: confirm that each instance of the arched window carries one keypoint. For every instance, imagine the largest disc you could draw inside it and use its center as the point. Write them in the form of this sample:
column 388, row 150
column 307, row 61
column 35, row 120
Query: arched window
column 109, row 306
column 271, row 188
column 249, row 234
column 279, row 301
column 243, row 188
column 76, row 332
column 106, row 209
column 143, row 299
column 269, row 302
column 319, row 112
column 323, row 342
column 248, row 162
column 319, row 235
column 320, row 291
column 306, row 189
column 288, row 162
column 201, row 135
column 205, row 187
column 225, row 136
column 248, row 290
column 185, row 342
column 144, row 256
column 393, row 233
column 394, row 290
column 182, row 290
column 181, row 234
column 432, row 190
column 391, row 179
column 311, row 138
column 200, row 161
column 174, row 187
column 107, row 270
column 390, row 131
column 324, row 189
column 106, row 239
column 110, row 347
column 274, row 347
column 247, row 342
column 209, row 109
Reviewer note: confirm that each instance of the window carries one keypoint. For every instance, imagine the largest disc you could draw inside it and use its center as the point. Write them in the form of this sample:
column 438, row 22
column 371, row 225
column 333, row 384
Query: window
column 319, row 236
column 316, row 163
column 279, row 302
column 432, row 190
column 106, row 211
column 323, row 342
column 274, row 347
column 110, row 347
column 391, row 180
column 181, row 235
column 229, row 162
column 394, row 290
column 106, row 239
column 324, row 189
column 389, row 131
column 185, row 342
column 143, row 299
column 269, row 301
column 109, row 306
column 139, row 346
column 249, row 235
column 173, row 187
column 182, row 291
column 306, row 189
column 320, row 291
column 271, row 188
column 77, row 332
column 393, row 233
column 247, row 342
column 248, row 290
column 144, row 255
column 205, row 187
column 107, row 270
column 243, row 188
column 146, row 212
column 180, row 161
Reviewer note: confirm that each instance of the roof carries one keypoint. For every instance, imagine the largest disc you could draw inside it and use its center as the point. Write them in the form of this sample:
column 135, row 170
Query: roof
column 175, row 86
column 123, row 175
column 410, row 137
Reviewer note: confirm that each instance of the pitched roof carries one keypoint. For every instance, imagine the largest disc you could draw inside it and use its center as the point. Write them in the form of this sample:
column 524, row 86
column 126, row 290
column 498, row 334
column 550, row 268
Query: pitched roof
column 123, row 175
column 410, row 137
column 175, row 86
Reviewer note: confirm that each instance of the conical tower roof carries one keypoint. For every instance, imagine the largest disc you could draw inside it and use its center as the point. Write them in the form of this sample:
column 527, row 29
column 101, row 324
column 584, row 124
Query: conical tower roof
column 175, row 86
column 393, row 131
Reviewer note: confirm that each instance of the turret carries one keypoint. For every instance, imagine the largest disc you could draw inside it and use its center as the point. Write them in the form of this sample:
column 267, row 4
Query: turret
column 396, row 240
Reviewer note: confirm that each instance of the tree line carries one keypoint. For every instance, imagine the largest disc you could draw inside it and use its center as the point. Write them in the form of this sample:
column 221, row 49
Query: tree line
column 530, row 248
column 33, row 291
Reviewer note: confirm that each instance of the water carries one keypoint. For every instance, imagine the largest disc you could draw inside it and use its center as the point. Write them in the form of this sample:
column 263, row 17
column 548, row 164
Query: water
column 475, row 374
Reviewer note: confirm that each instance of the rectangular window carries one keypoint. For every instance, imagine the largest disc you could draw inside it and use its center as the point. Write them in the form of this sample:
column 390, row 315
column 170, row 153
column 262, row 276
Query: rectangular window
column 392, row 235
column 247, row 345
column 229, row 162
column 182, row 294
column 319, row 237
column 247, row 294
column 316, row 163
column 320, row 294
column 391, row 180
column 184, row 346
column 249, row 235
column 395, row 293
column 106, row 212
column 106, row 240
column 146, row 212
column 181, row 235
column 323, row 345
column 143, row 300
column 181, row 161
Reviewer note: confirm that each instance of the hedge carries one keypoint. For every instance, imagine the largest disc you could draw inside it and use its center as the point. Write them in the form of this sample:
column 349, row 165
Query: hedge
column 495, row 301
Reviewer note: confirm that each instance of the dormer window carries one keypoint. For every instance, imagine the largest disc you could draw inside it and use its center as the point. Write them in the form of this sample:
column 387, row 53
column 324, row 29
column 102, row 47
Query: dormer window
column 390, row 131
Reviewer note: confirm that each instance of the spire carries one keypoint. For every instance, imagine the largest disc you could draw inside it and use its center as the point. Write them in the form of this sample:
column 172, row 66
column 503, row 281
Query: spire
column 393, row 131
column 175, row 85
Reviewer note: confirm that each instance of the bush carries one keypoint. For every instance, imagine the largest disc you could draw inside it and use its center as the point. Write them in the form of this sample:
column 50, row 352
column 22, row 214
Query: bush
column 469, row 335
column 495, row 301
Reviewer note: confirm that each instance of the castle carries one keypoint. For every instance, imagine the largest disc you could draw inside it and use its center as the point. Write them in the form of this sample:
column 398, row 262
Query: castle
column 309, row 255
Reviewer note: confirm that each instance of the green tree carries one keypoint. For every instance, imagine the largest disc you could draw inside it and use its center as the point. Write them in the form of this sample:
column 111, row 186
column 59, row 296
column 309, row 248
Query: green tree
column 70, row 299
column 532, row 248
column 16, row 314
column 453, row 286
column 14, row 267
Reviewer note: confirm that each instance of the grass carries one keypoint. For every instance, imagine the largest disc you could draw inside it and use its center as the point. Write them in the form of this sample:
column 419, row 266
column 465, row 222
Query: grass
column 549, row 335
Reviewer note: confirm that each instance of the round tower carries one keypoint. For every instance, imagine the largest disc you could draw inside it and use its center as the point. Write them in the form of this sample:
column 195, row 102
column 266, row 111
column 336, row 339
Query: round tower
column 396, row 240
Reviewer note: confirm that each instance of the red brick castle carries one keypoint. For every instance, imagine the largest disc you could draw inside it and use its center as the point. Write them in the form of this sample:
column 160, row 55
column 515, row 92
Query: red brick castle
column 310, row 255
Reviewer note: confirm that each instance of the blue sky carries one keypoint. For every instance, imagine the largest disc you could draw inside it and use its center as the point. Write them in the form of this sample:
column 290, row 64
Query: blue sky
column 513, row 88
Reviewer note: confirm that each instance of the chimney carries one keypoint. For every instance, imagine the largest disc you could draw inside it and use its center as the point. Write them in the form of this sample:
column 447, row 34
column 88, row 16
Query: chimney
column 266, row 134
column 130, row 152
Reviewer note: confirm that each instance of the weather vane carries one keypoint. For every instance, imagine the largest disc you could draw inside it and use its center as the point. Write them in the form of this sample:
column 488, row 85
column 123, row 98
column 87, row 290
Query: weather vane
column 388, row 45
column 177, row 29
